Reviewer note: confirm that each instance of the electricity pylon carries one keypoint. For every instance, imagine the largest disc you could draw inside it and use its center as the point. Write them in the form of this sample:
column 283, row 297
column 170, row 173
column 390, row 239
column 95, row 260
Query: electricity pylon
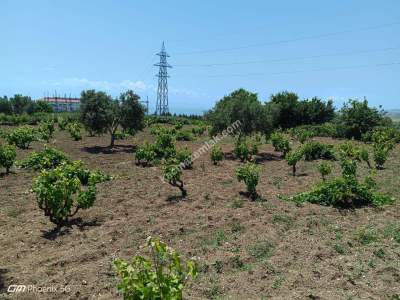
column 162, row 108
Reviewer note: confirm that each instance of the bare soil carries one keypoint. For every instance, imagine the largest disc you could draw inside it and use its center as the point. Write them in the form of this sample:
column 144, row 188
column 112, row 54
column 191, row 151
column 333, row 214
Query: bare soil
column 245, row 250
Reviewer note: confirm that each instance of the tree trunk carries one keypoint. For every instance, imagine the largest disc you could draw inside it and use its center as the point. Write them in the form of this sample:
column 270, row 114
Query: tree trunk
column 294, row 170
column 112, row 140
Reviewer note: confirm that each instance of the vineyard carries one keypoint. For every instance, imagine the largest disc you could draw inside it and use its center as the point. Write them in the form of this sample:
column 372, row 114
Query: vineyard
column 289, row 199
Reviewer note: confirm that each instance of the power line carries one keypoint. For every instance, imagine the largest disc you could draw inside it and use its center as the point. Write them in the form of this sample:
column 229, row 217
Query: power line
column 289, row 58
column 324, row 35
column 306, row 71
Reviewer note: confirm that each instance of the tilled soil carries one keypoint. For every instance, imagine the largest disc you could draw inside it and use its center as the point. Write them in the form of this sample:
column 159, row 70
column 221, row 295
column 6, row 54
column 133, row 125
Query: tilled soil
column 245, row 250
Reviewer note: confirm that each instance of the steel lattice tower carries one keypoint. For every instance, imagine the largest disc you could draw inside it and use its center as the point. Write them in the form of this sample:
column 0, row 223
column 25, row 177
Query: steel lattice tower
column 162, row 90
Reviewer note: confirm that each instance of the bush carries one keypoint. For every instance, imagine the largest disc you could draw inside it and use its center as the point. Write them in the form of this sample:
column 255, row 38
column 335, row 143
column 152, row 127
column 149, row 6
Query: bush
column 164, row 146
column 63, row 191
column 381, row 154
column 364, row 155
column 315, row 150
column 382, row 133
column 249, row 174
column 172, row 174
column 280, row 143
column 324, row 169
column 8, row 154
column 74, row 130
column 293, row 157
column 120, row 135
column 241, row 150
column 343, row 192
column 184, row 157
column 163, row 276
column 46, row 130
column 145, row 155
column 62, row 123
column 302, row 135
column 198, row 130
column 46, row 159
column 184, row 135
column 22, row 137
column 216, row 154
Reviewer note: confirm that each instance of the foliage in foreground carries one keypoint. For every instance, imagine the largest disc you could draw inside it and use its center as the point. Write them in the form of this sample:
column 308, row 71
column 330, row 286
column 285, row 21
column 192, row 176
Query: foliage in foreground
column 63, row 191
column 46, row 159
column 249, row 174
column 162, row 276
column 8, row 154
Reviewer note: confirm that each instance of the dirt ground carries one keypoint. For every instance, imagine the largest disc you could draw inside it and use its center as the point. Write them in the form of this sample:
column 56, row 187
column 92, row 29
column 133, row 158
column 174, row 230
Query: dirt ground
column 245, row 250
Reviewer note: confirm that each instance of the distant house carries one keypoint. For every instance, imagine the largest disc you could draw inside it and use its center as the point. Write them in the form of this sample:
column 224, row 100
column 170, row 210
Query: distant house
column 63, row 103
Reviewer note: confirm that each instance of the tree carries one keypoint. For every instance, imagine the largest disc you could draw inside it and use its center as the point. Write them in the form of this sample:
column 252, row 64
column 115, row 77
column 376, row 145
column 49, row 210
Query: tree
column 42, row 106
column 132, row 112
column 93, row 110
column 315, row 111
column 357, row 118
column 243, row 106
column 5, row 106
column 20, row 103
column 286, row 105
column 100, row 113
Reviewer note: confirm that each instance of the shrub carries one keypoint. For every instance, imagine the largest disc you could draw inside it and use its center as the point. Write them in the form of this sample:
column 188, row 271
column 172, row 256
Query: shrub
column 163, row 276
column 324, row 169
column 178, row 126
column 183, row 135
column 62, row 123
column 120, row 135
column 22, row 137
column 46, row 130
column 280, row 143
column 293, row 157
column 381, row 154
column 315, row 150
column 364, row 155
column 216, row 154
column 8, row 154
column 198, row 130
column 343, row 192
column 241, row 150
column 46, row 159
column 63, row 191
column 172, row 174
column 184, row 157
column 249, row 174
column 74, row 130
column 145, row 155
column 164, row 146
column 302, row 135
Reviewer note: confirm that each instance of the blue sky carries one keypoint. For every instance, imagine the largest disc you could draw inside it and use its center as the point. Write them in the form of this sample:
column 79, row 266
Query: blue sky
column 333, row 49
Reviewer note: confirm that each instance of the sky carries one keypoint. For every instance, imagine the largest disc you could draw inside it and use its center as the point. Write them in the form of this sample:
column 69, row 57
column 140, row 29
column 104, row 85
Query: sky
column 333, row 49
